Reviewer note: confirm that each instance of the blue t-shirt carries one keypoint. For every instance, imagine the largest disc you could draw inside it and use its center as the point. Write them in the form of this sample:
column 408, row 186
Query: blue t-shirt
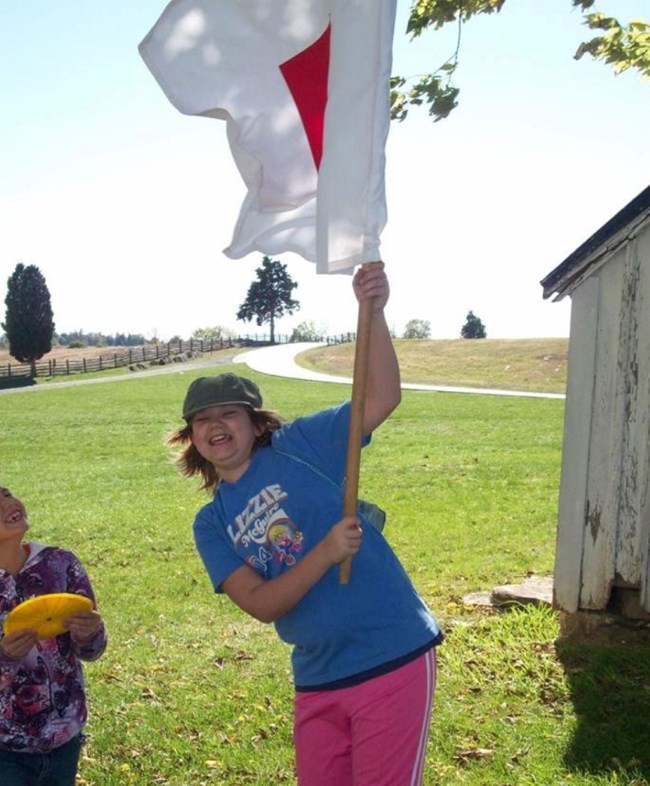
column 275, row 513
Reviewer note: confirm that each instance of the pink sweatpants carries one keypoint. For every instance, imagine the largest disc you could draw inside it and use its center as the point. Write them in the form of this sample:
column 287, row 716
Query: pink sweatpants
column 372, row 734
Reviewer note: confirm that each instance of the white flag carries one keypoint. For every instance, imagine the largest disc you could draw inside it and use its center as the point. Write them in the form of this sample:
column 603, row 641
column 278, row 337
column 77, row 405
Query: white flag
column 303, row 86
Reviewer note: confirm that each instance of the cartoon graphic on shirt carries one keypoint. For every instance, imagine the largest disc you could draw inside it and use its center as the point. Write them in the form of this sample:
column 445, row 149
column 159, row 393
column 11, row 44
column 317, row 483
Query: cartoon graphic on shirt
column 285, row 540
column 265, row 532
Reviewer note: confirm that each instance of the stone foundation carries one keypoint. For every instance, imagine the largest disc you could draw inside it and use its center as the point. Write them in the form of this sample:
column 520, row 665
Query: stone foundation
column 602, row 627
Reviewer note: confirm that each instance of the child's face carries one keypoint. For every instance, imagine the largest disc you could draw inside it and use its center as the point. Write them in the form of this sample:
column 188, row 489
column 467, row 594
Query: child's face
column 225, row 436
column 13, row 516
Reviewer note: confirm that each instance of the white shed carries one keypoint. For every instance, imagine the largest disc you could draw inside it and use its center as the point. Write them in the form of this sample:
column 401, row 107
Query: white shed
column 602, row 561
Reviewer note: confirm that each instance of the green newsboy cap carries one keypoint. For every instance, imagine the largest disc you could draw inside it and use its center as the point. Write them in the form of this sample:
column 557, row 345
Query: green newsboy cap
column 216, row 391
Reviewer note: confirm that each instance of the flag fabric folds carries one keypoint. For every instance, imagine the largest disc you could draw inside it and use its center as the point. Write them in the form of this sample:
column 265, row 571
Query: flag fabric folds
column 303, row 86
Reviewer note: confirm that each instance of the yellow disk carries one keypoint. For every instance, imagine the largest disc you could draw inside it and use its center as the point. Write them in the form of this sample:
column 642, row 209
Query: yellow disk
column 45, row 613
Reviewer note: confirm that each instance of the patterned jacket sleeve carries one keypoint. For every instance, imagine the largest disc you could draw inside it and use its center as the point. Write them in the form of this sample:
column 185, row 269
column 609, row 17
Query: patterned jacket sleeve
column 79, row 583
column 8, row 666
column 8, row 670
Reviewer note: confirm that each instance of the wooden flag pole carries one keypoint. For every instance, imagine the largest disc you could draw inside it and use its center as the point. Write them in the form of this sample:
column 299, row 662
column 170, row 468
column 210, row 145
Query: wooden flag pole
column 359, row 379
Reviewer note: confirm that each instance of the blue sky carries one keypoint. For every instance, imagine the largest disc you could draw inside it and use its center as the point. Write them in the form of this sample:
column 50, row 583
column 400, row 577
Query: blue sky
column 125, row 204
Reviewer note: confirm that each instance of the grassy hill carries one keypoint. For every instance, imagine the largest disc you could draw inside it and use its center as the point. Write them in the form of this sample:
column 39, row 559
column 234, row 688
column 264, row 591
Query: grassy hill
column 537, row 364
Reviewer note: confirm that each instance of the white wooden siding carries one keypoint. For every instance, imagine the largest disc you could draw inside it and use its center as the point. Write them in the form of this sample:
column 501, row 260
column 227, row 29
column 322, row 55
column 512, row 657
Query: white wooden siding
column 603, row 451
column 604, row 507
column 581, row 363
column 633, row 372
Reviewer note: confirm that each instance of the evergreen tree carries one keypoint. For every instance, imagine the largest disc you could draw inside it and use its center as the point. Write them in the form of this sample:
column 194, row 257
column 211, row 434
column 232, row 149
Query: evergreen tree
column 269, row 297
column 473, row 327
column 29, row 319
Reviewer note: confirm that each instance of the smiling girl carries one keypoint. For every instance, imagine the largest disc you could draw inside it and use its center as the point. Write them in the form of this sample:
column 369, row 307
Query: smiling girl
column 42, row 696
column 271, row 537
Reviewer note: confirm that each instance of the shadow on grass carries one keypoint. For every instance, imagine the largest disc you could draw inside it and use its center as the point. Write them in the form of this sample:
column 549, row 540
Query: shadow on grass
column 610, row 689
column 6, row 383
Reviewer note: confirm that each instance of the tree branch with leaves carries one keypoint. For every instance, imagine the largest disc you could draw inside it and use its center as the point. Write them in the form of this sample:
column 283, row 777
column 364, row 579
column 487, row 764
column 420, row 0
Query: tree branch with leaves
column 622, row 46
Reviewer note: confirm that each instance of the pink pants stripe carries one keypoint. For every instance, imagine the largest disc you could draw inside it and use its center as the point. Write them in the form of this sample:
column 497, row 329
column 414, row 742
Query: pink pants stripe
column 373, row 734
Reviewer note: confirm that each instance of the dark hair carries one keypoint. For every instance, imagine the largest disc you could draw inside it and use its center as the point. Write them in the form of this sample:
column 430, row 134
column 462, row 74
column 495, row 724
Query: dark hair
column 190, row 462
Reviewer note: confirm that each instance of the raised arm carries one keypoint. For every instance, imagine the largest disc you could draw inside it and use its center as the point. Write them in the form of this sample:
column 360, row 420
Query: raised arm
column 383, row 391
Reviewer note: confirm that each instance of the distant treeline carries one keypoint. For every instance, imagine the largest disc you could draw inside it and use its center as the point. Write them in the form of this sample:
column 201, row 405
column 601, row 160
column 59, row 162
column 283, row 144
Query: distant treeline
column 80, row 339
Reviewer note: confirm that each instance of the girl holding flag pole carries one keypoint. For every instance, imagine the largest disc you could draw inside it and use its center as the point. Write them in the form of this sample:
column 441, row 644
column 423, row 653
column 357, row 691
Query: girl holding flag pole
column 272, row 537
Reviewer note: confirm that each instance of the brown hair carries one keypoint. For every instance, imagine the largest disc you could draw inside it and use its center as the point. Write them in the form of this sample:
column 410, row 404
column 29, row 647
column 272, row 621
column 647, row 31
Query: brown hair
column 190, row 462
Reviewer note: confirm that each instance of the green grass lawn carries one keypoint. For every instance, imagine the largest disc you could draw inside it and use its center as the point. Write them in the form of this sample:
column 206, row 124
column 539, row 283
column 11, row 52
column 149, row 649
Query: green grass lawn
column 193, row 692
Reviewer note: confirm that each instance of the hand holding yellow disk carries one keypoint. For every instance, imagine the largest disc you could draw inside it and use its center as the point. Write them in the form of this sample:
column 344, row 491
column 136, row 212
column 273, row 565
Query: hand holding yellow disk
column 45, row 614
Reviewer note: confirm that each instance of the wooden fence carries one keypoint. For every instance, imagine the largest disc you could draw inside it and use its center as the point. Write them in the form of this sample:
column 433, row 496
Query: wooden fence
column 150, row 354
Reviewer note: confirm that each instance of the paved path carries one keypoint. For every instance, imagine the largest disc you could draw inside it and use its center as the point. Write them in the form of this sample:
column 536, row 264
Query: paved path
column 279, row 361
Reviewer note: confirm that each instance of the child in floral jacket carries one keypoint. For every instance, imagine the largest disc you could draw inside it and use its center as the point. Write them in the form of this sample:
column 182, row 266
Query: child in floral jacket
column 42, row 695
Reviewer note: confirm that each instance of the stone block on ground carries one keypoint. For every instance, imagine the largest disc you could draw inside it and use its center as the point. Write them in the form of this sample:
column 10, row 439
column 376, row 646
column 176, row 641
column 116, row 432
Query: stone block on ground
column 537, row 590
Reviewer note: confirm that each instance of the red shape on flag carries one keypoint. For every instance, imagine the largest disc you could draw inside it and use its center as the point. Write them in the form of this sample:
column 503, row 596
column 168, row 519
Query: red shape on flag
column 306, row 76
